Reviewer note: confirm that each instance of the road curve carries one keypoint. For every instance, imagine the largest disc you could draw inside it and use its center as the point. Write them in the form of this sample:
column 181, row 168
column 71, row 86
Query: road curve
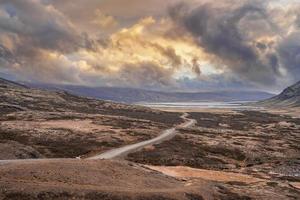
column 166, row 135
column 122, row 151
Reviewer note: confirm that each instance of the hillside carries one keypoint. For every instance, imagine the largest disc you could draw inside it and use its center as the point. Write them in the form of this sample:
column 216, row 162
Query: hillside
column 6, row 83
column 16, row 97
column 290, row 97
column 131, row 95
column 104, row 179
column 37, row 123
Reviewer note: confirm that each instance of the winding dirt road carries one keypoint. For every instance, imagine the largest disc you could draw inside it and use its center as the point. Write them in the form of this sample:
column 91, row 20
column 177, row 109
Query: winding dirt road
column 166, row 135
column 123, row 151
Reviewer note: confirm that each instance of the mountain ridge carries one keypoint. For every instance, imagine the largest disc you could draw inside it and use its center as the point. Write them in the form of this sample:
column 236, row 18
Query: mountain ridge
column 289, row 97
column 132, row 95
column 6, row 83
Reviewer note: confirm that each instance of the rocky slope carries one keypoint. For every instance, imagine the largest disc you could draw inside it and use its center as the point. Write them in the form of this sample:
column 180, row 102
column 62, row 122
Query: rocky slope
column 105, row 180
column 38, row 123
column 16, row 97
column 290, row 97
column 238, row 156
column 251, row 143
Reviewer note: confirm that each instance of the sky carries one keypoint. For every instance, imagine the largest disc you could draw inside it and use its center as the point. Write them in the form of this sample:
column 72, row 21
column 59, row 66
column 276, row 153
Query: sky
column 170, row 45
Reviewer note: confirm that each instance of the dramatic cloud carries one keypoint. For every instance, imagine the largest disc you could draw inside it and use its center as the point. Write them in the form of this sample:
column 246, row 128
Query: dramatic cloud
column 30, row 31
column 141, row 55
column 248, row 38
column 39, row 25
column 152, row 44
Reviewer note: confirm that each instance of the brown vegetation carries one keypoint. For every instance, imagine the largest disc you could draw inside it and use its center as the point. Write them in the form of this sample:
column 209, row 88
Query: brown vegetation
column 60, row 125
column 259, row 144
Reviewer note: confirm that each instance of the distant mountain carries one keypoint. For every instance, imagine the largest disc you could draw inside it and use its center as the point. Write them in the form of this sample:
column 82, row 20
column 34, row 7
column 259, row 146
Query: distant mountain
column 15, row 97
column 130, row 95
column 290, row 97
column 6, row 83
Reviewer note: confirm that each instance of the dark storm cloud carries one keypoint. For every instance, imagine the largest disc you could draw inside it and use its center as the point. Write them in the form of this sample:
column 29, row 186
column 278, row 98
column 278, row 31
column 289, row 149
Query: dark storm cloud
column 136, row 43
column 169, row 53
column 6, row 57
column 38, row 25
column 5, row 53
column 30, row 32
column 289, row 51
column 145, row 75
column 261, row 46
column 196, row 67
column 231, row 32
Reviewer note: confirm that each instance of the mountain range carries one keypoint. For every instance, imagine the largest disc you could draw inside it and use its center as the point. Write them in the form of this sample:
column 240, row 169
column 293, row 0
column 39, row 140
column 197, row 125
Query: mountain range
column 132, row 95
column 290, row 97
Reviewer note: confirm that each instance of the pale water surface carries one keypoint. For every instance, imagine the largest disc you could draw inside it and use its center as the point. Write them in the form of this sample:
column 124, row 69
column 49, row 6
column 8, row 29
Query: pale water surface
column 191, row 105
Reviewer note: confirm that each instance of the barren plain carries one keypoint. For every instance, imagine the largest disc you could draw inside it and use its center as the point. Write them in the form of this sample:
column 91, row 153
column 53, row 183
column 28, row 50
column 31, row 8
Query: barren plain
column 45, row 138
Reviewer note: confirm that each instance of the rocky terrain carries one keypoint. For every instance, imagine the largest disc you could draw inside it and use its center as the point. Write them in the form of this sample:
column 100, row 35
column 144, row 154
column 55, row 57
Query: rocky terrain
column 46, row 124
column 120, row 180
column 232, row 155
column 105, row 180
column 252, row 143
column 290, row 97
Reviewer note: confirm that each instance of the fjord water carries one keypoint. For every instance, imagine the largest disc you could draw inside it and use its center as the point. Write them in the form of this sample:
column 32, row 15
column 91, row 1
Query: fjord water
column 206, row 104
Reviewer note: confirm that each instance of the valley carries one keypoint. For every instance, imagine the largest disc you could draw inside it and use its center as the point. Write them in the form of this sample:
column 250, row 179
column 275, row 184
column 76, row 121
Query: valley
column 262, row 146
column 65, row 146
column 149, row 100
